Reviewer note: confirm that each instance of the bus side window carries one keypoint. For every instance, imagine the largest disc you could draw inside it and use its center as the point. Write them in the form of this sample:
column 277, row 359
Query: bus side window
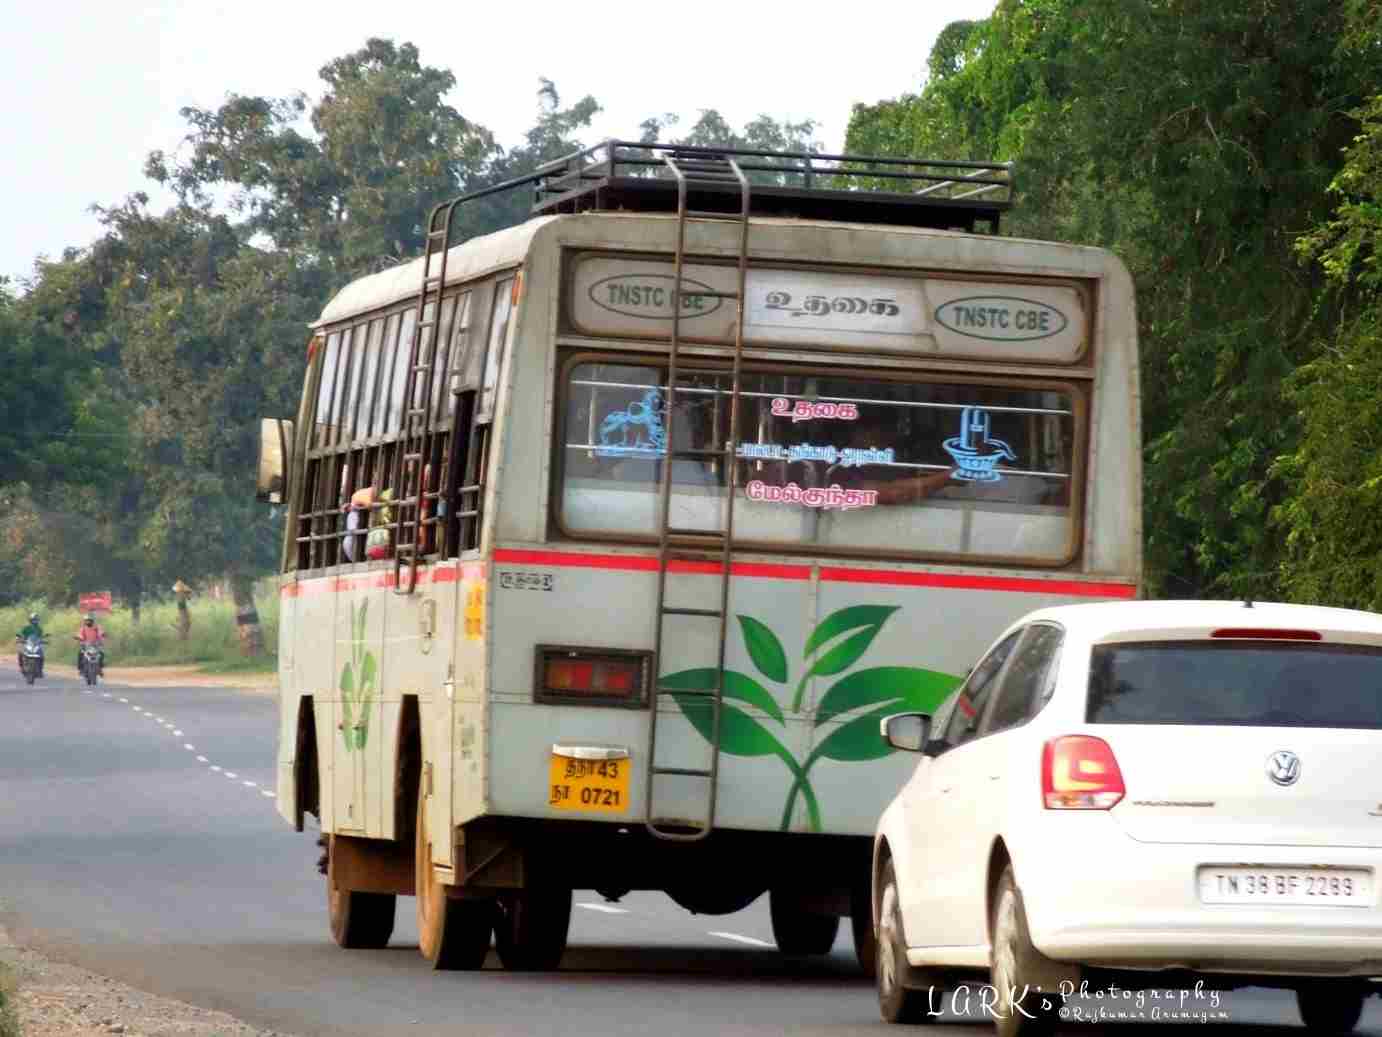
column 475, row 328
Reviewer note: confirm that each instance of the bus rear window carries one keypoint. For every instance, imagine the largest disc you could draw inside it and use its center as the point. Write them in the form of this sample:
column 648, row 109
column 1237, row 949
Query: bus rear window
column 1259, row 685
column 846, row 463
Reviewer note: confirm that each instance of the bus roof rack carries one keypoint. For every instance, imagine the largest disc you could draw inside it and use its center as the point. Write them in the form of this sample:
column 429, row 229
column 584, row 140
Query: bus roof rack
column 629, row 176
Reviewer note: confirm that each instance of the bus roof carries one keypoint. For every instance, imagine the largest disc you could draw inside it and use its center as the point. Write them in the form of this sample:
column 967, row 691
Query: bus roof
column 470, row 259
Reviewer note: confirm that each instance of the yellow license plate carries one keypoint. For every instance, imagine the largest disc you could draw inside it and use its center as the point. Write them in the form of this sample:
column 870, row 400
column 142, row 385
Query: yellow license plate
column 601, row 786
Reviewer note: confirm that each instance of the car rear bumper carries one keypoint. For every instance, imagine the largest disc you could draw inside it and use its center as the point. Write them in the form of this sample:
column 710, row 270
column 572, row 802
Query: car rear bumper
column 1105, row 899
column 1230, row 950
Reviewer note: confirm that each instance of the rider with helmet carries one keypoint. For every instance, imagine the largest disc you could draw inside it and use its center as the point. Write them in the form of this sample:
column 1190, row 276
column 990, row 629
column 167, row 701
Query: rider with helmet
column 33, row 629
column 88, row 633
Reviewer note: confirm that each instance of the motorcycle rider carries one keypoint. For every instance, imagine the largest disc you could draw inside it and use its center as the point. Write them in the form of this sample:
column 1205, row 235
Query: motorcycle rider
column 35, row 630
column 90, row 632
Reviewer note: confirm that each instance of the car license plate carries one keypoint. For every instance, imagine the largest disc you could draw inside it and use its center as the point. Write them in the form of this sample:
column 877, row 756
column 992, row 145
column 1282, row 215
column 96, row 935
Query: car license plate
column 1306, row 887
column 601, row 786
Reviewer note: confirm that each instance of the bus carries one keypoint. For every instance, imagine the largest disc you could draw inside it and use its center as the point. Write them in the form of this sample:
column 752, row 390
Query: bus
column 611, row 536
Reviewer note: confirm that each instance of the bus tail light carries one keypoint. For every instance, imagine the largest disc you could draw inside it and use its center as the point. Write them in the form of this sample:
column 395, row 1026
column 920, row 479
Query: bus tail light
column 592, row 676
column 1080, row 773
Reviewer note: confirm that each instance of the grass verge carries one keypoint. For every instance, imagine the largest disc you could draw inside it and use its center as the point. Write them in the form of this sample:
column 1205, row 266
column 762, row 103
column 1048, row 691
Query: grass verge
column 213, row 643
column 9, row 1014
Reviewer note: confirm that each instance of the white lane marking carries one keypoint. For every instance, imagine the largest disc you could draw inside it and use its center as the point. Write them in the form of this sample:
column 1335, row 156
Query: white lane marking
column 744, row 939
column 604, row 909
column 270, row 795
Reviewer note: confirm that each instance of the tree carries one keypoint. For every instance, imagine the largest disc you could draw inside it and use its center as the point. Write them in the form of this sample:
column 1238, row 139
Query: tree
column 354, row 197
column 1194, row 140
column 1332, row 511
column 553, row 136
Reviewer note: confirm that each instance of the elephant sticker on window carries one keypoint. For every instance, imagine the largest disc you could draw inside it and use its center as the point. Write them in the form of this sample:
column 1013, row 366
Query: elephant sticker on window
column 635, row 430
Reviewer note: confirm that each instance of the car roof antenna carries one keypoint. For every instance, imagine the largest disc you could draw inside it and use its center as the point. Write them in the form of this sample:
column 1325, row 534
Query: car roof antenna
column 1247, row 603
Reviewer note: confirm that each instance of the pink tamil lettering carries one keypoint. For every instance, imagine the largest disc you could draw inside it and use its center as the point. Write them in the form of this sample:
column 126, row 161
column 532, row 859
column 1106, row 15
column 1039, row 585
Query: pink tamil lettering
column 825, row 497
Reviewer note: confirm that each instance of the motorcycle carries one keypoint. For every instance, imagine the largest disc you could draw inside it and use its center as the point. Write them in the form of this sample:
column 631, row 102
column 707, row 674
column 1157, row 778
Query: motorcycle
column 31, row 657
column 89, row 662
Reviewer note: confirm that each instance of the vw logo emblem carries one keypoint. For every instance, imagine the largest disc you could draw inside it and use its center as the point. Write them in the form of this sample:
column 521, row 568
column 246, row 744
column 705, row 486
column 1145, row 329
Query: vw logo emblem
column 1283, row 767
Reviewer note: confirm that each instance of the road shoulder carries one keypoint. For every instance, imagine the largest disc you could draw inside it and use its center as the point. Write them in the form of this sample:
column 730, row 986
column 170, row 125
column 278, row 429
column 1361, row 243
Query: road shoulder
column 59, row 1000
column 163, row 677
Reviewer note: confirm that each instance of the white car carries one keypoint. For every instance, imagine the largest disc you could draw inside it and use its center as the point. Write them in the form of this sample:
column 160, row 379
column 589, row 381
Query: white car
column 1147, row 792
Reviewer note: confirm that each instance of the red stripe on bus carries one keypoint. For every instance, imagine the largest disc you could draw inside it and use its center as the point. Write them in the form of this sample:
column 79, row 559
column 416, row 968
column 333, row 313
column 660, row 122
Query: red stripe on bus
column 336, row 584
column 896, row 577
column 954, row 581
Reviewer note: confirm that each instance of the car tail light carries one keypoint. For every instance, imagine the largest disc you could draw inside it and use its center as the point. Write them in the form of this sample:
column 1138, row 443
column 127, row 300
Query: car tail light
column 1267, row 634
column 1080, row 773
column 575, row 675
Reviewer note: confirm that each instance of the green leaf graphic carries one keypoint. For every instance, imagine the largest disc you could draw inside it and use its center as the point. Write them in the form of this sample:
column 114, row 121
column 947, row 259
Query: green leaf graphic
column 764, row 649
column 857, row 740
column 368, row 671
column 908, row 687
column 850, row 618
column 740, row 734
column 347, row 694
column 845, row 654
column 737, row 686
column 358, row 631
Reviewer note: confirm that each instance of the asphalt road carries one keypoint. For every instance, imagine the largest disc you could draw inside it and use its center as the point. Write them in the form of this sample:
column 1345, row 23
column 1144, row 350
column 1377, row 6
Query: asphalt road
column 138, row 838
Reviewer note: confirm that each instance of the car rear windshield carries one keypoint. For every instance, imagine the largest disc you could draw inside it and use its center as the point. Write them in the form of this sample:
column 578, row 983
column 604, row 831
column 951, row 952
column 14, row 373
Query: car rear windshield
column 1261, row 685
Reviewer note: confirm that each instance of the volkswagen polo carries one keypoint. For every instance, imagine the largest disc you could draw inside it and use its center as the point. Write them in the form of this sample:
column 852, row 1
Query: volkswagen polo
column 1146, row 793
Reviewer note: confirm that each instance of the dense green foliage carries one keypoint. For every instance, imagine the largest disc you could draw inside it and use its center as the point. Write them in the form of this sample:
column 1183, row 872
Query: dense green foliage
column 138, row 367
column 1200, row 142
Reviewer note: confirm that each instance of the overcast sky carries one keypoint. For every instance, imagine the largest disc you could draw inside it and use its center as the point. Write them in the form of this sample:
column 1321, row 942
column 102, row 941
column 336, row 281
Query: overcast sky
column 91, row 87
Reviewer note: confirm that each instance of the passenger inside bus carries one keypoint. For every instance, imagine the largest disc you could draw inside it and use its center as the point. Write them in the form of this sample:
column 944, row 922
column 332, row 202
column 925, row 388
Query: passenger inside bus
column 877, row 429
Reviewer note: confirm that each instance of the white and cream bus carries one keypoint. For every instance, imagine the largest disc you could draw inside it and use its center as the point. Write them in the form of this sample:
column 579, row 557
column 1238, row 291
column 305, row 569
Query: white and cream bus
column 612, row 535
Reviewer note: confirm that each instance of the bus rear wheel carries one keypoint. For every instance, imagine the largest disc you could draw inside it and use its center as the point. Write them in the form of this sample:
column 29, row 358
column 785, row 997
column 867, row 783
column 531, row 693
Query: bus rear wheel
column 796, row 928
column 452, row 934
column 359, row 921
column 530, row 934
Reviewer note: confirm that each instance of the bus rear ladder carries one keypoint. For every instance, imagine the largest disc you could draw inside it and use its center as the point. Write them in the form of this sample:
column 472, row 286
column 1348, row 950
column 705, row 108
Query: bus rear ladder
column 709, row 173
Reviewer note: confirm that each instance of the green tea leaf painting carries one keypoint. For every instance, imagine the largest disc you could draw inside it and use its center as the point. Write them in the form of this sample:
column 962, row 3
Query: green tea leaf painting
column 358, row 680
column 838, row 642
column 764, row 649
column 867, row 620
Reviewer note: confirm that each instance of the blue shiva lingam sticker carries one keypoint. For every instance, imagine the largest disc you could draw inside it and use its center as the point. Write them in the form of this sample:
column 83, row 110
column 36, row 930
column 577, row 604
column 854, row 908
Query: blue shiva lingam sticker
column 637, row 430
column 976, row 454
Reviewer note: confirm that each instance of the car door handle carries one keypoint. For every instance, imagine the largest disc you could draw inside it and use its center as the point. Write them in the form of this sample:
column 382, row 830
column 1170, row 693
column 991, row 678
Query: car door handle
column 995, row 777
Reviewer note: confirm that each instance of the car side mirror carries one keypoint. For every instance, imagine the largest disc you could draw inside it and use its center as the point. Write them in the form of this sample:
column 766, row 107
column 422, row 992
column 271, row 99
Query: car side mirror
column 908, row 731
column 275, row 460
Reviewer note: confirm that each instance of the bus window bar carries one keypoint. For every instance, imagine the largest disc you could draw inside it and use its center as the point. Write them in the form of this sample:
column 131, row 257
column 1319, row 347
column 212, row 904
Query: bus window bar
column 655, row 455
column 925, row 405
